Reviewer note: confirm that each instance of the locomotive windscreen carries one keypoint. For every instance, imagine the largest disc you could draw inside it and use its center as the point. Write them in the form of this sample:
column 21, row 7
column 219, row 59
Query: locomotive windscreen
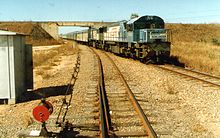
column 149, row 22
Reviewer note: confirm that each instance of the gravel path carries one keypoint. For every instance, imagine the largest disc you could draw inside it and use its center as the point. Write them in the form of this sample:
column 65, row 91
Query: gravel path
column 83, row 112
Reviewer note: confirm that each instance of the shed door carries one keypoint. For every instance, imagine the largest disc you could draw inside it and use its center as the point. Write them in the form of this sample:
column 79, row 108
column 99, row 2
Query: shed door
column 4, row 68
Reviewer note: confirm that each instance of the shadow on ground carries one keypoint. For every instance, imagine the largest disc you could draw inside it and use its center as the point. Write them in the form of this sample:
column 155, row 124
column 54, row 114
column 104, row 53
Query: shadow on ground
column 45, row 92
column 174, row 60
column 66, row 132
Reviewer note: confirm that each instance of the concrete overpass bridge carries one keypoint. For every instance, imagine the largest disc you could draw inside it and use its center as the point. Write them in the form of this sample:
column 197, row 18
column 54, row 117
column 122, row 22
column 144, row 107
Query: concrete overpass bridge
column 52, row 26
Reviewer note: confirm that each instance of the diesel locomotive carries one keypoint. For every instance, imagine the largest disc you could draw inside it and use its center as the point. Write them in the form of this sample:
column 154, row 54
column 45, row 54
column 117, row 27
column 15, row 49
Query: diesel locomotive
column 144, row 38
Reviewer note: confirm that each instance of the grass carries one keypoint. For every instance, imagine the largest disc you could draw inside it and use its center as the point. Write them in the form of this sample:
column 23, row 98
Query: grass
column 198, row 128
column 44, row 73
column 44, row 60
column 201, row 56
column 197, row 46
column 51, row 56
column 42, row 57
column 168, row 86
column 194, row 32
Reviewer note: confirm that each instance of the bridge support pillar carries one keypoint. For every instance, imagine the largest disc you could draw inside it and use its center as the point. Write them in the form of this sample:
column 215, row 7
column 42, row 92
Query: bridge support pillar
column 51, row 28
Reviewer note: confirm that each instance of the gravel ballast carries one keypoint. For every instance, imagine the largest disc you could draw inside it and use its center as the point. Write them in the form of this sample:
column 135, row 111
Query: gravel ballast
column 182, row 107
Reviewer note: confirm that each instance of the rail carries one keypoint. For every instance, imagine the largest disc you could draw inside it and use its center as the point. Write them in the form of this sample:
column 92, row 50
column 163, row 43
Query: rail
column 172, row 69
column 150, row 131
column 103, row 102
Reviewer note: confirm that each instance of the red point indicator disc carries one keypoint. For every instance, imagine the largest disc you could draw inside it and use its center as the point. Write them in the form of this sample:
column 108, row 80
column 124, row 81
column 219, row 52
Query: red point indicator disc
column 41, row 113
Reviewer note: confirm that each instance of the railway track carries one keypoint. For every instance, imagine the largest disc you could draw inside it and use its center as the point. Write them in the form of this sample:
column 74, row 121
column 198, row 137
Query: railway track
column 117, row 114
column 194, row 75
column 120, row 113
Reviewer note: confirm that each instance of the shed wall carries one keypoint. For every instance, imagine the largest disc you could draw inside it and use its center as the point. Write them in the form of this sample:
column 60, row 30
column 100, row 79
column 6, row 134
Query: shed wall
column 19, row 68
column 16, row 70
column 4, row 70
column 11, row 60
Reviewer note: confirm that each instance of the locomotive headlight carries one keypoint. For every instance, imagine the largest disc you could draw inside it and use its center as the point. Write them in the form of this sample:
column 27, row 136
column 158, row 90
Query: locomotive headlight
column 157, row 35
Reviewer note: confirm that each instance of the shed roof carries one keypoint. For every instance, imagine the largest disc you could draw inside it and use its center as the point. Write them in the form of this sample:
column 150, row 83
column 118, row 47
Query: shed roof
column 4, row 32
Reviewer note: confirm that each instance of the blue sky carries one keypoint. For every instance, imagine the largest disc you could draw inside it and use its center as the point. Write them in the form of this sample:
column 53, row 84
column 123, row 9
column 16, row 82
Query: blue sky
column 172, row 11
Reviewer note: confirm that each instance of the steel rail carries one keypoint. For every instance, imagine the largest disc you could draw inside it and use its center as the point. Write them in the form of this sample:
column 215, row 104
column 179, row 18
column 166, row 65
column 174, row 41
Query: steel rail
column 202, row 80
column 200, row 73
column 150, row 131
column 103, row 103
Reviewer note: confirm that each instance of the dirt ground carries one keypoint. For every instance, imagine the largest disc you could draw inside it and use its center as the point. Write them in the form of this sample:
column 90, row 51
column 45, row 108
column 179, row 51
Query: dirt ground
column 16, row 118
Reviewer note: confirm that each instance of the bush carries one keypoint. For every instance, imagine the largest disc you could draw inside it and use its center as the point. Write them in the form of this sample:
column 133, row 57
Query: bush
column 216, row 41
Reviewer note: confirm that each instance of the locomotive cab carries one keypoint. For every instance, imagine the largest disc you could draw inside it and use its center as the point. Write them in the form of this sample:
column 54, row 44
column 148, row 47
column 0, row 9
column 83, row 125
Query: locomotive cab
column 151, row 37
column 146, row 29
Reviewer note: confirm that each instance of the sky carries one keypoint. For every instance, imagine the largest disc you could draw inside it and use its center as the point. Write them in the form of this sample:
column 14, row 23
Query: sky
column 172, row 11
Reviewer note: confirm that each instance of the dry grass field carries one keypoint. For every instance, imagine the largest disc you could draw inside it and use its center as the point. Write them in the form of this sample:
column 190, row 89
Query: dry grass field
column 47, row 58
column 197, row 46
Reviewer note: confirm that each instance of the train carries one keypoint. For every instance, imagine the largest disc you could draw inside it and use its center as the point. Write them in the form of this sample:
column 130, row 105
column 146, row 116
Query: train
column 144, row 38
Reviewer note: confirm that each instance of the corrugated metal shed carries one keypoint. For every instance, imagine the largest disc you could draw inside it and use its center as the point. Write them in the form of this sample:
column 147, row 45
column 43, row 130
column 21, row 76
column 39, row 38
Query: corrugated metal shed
column 13, row 65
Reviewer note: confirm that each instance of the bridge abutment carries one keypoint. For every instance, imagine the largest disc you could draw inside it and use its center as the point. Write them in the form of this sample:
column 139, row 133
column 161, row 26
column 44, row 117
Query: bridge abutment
column 51, row 28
